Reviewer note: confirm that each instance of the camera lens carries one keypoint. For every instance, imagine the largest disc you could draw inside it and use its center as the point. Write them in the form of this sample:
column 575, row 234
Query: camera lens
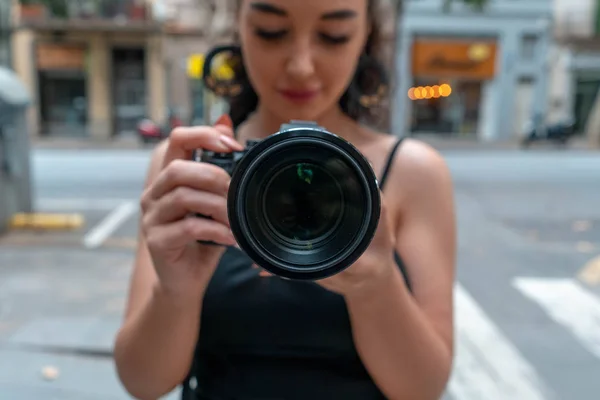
column 303, row 203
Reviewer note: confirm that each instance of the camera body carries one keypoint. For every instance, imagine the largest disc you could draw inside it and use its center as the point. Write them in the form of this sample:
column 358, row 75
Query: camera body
column 229, row 161
column 303, row 203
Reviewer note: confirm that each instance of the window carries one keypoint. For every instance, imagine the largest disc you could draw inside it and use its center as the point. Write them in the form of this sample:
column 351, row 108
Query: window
column 528, row 47
column 5, row 33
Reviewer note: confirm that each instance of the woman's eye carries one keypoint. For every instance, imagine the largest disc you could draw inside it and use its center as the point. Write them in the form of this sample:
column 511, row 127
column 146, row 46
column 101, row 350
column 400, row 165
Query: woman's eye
column 270, row 35
column 330, row 39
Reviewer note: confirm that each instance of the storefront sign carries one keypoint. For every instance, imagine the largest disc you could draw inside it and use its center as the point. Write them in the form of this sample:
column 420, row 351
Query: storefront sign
column 454, row 59
column 60, row 56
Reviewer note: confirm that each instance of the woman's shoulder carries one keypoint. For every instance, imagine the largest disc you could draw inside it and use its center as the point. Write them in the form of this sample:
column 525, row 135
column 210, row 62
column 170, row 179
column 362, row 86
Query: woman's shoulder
column 418, row 166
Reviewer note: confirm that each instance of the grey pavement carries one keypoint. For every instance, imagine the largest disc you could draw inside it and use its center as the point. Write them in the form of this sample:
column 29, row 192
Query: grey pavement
column 532, row 215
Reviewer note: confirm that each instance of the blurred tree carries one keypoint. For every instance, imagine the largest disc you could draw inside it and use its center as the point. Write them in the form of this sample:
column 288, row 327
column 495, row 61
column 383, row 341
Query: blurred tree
column 477, row 5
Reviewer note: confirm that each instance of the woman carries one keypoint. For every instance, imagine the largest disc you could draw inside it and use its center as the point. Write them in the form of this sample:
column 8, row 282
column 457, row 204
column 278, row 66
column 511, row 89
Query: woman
column 204, row 317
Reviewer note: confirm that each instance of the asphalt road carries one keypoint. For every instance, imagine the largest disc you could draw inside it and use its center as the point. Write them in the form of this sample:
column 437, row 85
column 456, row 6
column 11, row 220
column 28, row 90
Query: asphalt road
column 527, row 317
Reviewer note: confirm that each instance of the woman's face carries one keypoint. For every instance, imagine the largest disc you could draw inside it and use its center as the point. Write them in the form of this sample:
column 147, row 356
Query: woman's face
column 301, row 55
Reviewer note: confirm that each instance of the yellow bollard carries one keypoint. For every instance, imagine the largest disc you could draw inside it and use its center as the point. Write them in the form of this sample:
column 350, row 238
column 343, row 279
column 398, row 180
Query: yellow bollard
column 46, row 221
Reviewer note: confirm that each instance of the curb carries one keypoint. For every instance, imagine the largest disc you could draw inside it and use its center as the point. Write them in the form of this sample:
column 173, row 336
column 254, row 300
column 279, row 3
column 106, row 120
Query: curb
column 133, row 143
column 89, row 144
column 43, row 221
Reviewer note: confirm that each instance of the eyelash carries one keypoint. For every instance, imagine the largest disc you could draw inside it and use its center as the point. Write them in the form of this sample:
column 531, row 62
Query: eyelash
column 276, row 35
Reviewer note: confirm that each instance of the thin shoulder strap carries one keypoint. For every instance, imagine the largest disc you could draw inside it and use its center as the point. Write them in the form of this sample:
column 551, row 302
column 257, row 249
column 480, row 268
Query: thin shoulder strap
column 388, row 163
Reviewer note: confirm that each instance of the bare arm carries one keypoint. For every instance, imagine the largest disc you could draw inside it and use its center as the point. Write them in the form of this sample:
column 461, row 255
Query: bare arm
column 155, row 345
column 405, row 339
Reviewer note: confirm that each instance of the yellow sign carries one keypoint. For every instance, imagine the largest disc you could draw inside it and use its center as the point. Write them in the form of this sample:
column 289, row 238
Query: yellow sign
column 465, row 59
column 195, row 64
column 221, row 68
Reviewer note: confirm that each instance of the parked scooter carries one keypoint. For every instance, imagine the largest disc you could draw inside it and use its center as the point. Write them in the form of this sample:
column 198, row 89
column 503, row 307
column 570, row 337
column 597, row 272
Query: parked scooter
column 558, row 133
column 151, row 132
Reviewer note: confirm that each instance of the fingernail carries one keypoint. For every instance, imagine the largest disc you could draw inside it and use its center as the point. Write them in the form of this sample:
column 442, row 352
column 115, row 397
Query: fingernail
column 230, row 142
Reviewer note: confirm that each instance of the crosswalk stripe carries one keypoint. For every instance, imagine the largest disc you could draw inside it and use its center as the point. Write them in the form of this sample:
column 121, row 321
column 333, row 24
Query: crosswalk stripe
column 486, row 365
column 569, row 304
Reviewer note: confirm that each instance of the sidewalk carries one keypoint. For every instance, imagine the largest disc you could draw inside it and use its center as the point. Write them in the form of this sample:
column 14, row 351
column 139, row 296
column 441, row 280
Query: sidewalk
column 84, row 143
column 60, row 308
column 438, row 142
column 454, row 143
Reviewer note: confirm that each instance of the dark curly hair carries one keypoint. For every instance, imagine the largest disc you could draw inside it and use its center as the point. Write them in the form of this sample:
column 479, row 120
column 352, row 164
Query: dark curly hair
column 369, row 76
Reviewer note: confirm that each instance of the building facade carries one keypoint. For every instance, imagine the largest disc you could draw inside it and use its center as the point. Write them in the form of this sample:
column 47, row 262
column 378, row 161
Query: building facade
column 91, row 66
column 192, row 28
column 576, row 74
column 96, row 67
column 463, row 72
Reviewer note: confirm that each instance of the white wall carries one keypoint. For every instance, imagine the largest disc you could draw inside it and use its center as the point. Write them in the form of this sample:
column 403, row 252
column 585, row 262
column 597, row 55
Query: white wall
column 574, row 17
column 560, row 95
column 524, row 98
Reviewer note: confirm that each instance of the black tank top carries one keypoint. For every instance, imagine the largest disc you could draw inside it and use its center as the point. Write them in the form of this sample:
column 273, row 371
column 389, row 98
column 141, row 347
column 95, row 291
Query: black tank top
column 265, row 338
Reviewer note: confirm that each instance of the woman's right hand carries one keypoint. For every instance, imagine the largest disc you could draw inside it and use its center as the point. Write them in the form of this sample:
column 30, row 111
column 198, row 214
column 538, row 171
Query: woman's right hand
column 182, row 189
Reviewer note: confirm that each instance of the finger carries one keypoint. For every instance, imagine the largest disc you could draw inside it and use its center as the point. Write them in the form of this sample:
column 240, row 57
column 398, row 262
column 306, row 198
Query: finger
column 187, row 231
column 262, row 272
column 184, row 200
column 200, row 176
column 183, row 141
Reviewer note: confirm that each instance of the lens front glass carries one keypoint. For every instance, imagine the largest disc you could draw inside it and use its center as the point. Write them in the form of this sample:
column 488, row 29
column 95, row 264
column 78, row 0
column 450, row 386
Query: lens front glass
column 303, row 203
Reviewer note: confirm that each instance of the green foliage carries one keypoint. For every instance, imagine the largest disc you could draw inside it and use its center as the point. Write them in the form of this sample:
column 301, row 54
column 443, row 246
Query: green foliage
column 477, row 5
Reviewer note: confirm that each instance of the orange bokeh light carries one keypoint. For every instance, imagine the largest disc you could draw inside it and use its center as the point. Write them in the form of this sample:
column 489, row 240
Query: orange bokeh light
column 429, row 92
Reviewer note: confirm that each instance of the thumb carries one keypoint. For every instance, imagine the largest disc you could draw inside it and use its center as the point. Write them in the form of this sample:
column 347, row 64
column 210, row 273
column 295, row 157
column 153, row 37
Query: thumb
column 224, row 124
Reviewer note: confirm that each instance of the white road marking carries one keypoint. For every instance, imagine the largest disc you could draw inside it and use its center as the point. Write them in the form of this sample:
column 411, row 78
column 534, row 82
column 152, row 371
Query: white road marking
column 78, row 204
column 96, row 236
column 569, row 304
column 487, row 365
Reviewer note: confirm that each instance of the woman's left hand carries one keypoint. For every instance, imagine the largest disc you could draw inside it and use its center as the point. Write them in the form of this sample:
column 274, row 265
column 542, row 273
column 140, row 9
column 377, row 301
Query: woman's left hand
column 375, row 265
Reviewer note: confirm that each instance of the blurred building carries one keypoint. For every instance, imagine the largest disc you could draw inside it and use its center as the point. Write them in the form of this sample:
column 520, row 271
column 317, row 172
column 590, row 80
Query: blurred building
column 576, row 60
column 90, row 64
column 5, row 32
column 474, row 73
column 191, row 28
column 96, row 67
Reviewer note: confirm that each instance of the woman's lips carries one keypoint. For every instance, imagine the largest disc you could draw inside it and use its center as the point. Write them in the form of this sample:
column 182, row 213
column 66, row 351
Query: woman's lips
column 299, row 96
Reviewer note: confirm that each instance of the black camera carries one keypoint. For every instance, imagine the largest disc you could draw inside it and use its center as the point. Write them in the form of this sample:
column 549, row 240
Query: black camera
column 303, row 203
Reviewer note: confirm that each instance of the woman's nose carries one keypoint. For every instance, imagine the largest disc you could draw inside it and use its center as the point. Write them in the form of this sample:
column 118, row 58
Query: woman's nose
column 301, row 63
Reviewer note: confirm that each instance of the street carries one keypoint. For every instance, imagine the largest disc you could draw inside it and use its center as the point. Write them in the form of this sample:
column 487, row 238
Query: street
column 527, row 312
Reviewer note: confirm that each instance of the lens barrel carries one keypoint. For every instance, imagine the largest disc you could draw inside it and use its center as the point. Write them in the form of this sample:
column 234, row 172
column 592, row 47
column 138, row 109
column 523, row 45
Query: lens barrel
column 303, row 203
